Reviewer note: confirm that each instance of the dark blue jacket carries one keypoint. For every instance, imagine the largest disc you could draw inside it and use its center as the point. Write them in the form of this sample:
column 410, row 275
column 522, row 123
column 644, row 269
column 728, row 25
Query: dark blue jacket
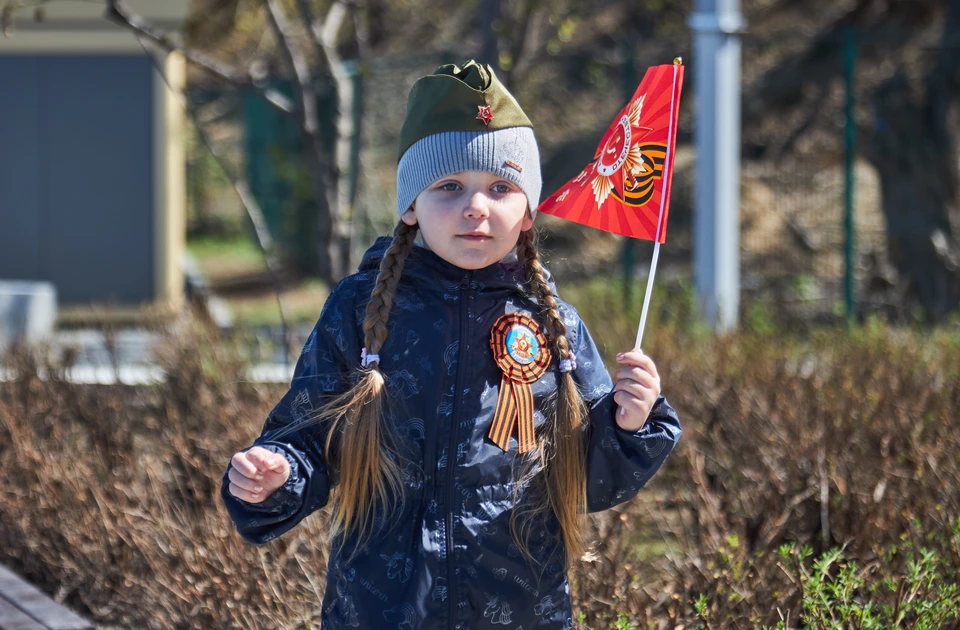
column 449, row 561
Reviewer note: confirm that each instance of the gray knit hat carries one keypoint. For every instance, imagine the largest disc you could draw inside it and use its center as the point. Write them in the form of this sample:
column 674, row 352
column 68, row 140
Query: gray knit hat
column 464, row 119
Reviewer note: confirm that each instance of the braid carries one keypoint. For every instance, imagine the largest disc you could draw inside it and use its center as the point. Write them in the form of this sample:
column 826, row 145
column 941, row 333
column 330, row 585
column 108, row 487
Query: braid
column 562, row 488
column 360, row 442
column 549, row 309
column 381, row 298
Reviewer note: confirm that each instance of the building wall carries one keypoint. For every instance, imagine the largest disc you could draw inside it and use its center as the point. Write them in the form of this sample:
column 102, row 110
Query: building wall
column 76, row 178
column 92, row 170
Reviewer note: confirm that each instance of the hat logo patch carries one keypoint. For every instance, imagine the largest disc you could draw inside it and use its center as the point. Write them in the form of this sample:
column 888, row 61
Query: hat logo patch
column 514, row 153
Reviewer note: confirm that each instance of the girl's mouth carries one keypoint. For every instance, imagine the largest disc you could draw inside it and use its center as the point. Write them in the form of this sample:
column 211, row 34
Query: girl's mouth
column 475, row 237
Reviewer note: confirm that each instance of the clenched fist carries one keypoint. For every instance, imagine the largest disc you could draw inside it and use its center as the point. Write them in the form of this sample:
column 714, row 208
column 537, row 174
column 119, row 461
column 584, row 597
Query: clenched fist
column 257, row 473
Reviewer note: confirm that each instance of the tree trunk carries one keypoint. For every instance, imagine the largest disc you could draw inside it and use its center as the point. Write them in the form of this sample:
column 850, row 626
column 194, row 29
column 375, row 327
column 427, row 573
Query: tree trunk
column 323, row 181
column 916, row 203
column 913, row 148
column 335, row 227
column 346, row 129
column 488, row 18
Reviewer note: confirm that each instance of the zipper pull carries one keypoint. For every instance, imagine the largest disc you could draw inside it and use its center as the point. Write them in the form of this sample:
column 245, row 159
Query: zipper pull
column 465, row 281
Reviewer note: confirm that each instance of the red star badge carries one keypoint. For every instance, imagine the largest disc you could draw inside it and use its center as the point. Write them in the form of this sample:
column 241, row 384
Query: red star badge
column 485, row 114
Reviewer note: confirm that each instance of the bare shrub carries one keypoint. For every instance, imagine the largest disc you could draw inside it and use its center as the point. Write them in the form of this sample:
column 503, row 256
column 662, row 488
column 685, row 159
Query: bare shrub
column 793, row 446
column 111, row 496
column 830, row 441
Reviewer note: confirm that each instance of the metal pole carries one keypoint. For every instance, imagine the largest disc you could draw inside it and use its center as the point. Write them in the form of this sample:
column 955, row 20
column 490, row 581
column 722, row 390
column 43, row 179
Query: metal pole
column 716, row 25
column 850, row 136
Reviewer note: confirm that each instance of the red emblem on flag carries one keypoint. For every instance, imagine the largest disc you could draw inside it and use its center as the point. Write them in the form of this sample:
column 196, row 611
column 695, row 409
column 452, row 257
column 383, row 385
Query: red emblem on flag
column 485, row 114
column 626, row 189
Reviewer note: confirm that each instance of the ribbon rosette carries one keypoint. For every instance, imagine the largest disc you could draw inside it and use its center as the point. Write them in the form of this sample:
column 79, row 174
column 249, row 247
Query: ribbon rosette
column 520, row 349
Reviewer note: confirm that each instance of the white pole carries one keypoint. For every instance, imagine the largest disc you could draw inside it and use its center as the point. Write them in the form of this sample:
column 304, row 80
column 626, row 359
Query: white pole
column 663, row 203
column 646, row 297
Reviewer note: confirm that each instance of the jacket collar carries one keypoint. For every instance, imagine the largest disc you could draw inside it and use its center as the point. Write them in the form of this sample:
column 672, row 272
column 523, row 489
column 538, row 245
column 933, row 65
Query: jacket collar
column 424, row 266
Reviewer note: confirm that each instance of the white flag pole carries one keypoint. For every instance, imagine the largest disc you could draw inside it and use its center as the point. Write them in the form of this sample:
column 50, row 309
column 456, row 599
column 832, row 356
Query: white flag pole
column 646, row 297
column 663, row 203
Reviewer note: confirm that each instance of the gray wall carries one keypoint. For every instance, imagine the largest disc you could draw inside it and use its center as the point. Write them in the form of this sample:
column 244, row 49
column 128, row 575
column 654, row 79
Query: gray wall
column 76, row 175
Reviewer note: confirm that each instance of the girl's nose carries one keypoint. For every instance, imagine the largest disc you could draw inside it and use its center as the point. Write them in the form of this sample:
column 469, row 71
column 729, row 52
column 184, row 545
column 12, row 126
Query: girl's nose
column 478, row 206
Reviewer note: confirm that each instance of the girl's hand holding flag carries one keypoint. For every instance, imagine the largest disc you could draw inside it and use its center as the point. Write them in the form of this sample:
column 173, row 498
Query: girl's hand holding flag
column 637, row 388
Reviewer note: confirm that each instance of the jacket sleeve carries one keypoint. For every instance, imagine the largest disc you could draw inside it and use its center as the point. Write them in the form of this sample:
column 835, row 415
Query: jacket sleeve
column 322, row 371
column 618, row 462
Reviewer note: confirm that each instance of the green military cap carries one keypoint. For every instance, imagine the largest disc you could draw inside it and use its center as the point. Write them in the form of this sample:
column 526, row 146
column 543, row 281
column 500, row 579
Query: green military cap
column 462, row 119
column 470, row 98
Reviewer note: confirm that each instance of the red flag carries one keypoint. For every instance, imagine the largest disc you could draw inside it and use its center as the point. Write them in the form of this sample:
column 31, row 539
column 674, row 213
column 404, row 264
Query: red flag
column 626, row 189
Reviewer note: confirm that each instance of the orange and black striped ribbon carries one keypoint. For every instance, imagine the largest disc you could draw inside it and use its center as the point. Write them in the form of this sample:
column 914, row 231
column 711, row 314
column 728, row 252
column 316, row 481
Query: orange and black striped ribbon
column 514, row 406
column 515, row 402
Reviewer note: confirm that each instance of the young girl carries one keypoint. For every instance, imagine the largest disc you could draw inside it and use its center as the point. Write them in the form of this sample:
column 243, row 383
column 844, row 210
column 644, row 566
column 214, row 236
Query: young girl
column 453, row 410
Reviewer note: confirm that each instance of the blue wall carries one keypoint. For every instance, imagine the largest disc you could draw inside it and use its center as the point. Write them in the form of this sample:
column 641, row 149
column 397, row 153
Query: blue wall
column 76, row 175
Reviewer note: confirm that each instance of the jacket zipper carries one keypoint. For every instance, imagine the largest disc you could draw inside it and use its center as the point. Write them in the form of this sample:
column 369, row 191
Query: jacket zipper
column 452, row 447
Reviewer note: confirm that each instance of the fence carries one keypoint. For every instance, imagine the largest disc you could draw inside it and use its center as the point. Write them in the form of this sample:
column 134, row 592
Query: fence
column 818, row 175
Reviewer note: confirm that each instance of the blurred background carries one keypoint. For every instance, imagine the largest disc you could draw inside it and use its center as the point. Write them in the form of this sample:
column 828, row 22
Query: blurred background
column 235, row 150
column 181, row 183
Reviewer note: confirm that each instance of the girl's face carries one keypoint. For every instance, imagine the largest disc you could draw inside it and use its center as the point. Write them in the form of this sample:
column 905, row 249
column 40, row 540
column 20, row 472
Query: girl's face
column 471, row 219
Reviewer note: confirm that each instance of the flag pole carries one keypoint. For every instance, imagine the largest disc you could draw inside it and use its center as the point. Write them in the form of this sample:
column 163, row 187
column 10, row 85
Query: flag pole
column 663, row 201
column 646, row 297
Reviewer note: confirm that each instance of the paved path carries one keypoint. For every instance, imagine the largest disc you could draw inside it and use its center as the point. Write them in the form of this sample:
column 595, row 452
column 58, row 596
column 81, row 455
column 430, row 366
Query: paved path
column 25, row 607
column 132, row 349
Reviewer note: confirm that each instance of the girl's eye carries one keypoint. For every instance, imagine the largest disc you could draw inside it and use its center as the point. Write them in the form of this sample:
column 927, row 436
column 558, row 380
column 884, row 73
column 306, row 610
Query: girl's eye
column 451, row 186
column 501, row 188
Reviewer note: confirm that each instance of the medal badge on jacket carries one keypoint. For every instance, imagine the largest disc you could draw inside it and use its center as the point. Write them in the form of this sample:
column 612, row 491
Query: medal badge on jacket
column 520, row 349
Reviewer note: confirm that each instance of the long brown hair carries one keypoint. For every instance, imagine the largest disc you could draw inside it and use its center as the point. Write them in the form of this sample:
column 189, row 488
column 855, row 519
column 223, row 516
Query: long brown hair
column 560, row 483
column 370, row 477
